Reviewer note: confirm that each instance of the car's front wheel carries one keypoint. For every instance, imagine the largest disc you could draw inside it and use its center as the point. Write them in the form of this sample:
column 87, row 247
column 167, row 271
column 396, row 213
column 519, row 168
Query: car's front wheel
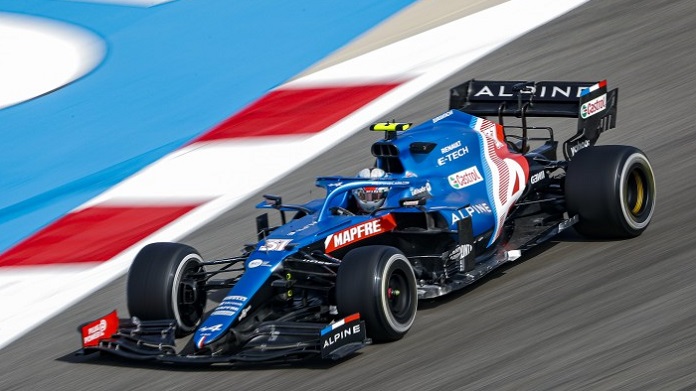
column 379, row 283
column 166, row 281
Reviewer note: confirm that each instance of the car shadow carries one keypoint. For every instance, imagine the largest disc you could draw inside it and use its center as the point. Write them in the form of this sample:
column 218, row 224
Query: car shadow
column 566, row 236
column 108, row 360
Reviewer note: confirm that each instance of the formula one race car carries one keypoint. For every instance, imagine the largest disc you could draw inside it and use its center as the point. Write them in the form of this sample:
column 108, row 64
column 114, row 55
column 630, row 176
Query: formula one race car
column 446, row 202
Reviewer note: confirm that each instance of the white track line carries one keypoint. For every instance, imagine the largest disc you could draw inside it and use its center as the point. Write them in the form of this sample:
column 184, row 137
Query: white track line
column 39, row 55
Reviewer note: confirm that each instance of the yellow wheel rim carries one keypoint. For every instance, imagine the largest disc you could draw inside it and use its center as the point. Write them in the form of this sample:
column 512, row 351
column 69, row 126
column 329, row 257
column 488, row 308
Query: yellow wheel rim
column 640, row 194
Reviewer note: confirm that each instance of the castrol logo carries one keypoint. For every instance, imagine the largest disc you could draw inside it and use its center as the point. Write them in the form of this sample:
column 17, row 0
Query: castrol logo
column 464, row 178
column 594, row 106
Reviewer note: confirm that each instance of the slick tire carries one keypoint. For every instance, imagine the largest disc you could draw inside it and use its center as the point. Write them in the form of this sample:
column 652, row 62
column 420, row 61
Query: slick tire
column 165, row 282
column 378, row 282
column 612, row 189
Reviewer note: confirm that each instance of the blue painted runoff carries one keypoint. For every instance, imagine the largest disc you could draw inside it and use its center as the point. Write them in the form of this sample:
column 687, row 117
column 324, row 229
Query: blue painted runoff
column 171, row 72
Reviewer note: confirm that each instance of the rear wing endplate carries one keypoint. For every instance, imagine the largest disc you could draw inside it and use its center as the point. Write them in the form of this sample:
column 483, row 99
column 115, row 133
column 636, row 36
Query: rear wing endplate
column 590, row 102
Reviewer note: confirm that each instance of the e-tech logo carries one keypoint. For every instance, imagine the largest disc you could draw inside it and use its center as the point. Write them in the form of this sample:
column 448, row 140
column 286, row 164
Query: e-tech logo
column 594, row 106
column 452, row 156
column 450, row 147
column 464, row 178
column 359, row 232
column 452, row 152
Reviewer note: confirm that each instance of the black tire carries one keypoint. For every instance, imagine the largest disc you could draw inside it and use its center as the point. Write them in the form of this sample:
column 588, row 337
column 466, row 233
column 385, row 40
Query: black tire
column 161, row 286
column 612, row 189
column 379, row 283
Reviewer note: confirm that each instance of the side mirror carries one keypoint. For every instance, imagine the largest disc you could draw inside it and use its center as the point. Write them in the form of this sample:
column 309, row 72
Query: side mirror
column 274, row 200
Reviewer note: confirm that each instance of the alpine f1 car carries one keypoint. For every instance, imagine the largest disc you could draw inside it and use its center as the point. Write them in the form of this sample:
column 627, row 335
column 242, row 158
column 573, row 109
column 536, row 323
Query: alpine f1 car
column 445, row 203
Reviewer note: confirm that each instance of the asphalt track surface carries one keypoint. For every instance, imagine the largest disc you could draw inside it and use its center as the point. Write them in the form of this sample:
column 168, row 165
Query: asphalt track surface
column 579, row 315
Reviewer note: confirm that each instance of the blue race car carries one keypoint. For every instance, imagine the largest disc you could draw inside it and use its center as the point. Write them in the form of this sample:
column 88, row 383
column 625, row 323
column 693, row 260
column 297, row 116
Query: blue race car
column 445, row 203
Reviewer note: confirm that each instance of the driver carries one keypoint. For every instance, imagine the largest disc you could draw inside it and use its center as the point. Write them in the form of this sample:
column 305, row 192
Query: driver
column 370, row 198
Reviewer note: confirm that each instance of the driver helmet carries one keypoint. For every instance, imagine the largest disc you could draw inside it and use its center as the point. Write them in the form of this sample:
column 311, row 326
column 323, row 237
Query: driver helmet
column 370, row 198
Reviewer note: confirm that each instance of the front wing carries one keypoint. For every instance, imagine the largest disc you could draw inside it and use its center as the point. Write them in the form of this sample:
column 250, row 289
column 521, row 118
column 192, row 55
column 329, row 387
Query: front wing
column 270, row 342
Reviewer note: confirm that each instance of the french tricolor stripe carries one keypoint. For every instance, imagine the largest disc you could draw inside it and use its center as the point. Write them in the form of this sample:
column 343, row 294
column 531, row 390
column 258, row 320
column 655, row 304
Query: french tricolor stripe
column 601, row 84
column 334, row 326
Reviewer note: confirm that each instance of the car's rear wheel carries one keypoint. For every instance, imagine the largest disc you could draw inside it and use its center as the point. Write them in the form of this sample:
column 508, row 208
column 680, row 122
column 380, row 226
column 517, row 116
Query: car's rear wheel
column 379, row 283
column 612, row 189
column 165, row 281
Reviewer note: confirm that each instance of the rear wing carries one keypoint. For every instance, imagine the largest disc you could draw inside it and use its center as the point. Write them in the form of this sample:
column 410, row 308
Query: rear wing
column 590, row 102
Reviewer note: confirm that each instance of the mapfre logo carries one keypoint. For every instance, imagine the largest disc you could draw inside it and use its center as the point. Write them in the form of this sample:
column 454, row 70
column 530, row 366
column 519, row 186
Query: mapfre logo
column 594, row 106
column 94, row 332
column 359, row 232
column 464, row 178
